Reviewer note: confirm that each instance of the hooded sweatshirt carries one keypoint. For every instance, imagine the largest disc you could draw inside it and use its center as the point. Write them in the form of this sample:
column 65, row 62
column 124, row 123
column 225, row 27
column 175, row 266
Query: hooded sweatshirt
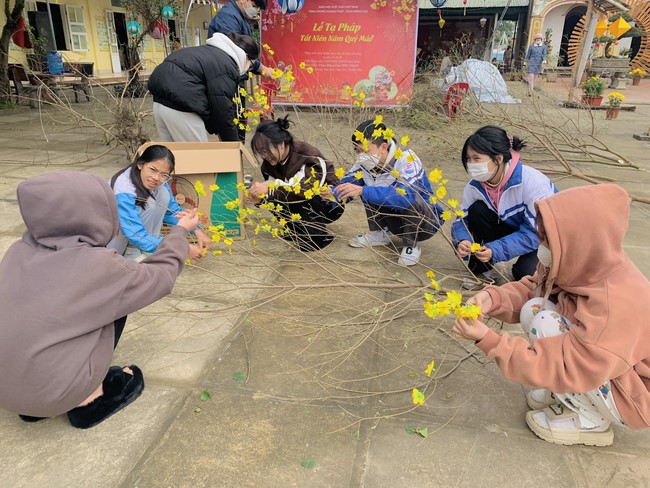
column 61, row 290
column 598, row 288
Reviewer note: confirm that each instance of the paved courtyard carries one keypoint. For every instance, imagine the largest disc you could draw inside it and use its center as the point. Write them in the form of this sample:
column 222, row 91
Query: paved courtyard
column 309, row 360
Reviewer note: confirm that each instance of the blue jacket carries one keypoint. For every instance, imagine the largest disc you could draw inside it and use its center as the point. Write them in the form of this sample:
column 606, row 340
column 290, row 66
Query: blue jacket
column 380, row 189
column 516, row 208
column 230, row 19
column 131, row 224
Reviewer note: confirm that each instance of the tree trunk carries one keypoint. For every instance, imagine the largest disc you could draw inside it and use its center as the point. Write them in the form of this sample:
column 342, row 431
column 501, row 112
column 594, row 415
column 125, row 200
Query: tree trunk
column 12, row 17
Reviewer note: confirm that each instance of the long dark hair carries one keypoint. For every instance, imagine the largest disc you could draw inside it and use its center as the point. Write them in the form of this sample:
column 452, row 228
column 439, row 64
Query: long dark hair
column 151, row 153
column 271, row 133
column 491, row 141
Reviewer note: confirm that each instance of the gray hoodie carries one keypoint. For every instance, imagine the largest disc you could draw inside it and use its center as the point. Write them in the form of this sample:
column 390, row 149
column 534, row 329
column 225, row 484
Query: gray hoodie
column 61, row 290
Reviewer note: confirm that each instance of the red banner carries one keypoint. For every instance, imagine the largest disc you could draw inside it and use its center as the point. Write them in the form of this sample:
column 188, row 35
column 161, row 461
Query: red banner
column 342, row 52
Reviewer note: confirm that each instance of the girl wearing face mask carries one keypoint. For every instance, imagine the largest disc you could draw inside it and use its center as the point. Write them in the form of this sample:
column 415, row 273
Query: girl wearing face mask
column 499, row 205
column 193, row 89
column 584, row 312
column 291, row 168
column 394, row 190
column 535, row 59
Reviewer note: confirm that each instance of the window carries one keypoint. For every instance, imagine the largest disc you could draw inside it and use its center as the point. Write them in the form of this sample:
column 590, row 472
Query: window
column 49, row 25
column 77, row 26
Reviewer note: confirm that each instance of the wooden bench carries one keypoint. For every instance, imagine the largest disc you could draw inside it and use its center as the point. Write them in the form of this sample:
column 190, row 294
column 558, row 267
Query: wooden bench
column 80, row 83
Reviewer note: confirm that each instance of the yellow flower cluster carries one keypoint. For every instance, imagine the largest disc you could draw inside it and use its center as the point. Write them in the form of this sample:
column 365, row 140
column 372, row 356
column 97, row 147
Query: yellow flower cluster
column 637, row 73
column 453, row 303
column 615, row 99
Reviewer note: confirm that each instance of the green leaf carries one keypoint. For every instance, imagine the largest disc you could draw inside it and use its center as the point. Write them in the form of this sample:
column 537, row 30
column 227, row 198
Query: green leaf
column 308, row 463
column 205, row 396
column 239, row 376
column 412, row 375
column 411, row 430
column 424, row 432
column 375, row 310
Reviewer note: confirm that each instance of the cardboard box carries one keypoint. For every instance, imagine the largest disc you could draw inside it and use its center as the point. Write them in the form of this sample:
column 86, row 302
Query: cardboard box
column 211, row 163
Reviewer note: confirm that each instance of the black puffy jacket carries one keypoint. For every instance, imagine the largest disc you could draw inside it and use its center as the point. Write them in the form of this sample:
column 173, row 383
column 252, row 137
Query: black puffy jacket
column 203, row 80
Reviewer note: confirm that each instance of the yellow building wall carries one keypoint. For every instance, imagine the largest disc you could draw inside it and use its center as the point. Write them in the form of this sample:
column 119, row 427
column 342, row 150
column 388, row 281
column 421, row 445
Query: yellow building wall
column 94, row 12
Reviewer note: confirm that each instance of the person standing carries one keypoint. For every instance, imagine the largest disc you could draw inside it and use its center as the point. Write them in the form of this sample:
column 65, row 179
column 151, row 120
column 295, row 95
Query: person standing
column 535, row 61
column 507, row 59
column 235, row 17
column 193, row 89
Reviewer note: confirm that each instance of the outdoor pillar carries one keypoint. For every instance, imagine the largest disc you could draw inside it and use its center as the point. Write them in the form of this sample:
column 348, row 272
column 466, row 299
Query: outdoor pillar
column 591, row 19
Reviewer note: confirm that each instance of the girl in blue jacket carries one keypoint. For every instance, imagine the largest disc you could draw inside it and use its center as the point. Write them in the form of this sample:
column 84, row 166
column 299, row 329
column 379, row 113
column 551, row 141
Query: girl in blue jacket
column 394, row 190
column 499, row 204
column 145, row 201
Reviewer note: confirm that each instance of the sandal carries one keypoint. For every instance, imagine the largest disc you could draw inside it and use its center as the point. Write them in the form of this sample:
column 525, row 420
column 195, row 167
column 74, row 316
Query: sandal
column 120, row 389
column 563, row 436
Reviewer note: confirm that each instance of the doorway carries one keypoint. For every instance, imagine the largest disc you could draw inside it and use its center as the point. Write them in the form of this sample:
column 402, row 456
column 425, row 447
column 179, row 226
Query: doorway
column 572, row 18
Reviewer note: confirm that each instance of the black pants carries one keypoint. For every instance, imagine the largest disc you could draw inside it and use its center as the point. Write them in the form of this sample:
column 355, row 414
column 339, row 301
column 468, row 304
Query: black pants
column 485, row 226
column 414, row 224
column 309, row 233
column 119, row 327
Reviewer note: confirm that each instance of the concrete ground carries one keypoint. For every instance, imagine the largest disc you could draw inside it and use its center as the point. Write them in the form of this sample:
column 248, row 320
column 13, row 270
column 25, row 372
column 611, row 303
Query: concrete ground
column 309, row 360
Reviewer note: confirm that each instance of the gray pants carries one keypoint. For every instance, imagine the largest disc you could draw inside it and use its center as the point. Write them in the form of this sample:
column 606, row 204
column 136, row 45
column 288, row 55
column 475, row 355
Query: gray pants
column 176, row 126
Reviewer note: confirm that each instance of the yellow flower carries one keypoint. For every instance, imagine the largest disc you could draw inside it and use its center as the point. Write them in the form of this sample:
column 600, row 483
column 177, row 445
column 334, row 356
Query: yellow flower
column 295, row 217
column 365, row 145
column 362, row 96
column 276, row 73
column 378, row 120
column 358, row 175
column 468, row 312
column 242, row 91
column 217, row 253
column 460, row 213
column 216, row 238
column 452, row 203
column 309, row 194
column 356, row 103
column 282, row 222
column 441, row 192
column 433, row 200
column 358, row 135
column 418, row 397
column 398, row 153
column 474, row 247
column 266, row 46
column 455, row 299
column 401, row 191
column 389, row 134
column 404, row 140
column 435, row 176
column 198, row 186
column 289, row 76
column 232, row 204
column 429, row 297
column 410, row 158
column 430, row 274
column 435, row 285
column 302, row 65
column 188, row 262
column 310, row 70
column 394, row 172
column 376, row 134
column 228, row 241
column 430, row 368
column 340, row 173
column 214, row 188
column 296, row 189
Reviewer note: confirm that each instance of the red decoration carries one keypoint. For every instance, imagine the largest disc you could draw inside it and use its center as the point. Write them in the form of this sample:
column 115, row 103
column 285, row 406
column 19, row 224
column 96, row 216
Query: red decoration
column 20, row 36
column 159, row 30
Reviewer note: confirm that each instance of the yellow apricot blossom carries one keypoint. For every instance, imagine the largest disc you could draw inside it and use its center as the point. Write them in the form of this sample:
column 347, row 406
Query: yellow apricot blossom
column 404, row 140
column 394, row 172
column 430, row 368
column 214, row 188
column 435, row 176
column 441, row 192
column 378, row 120
column 452, row 203
column 358, row 175
column 340, row 173
column 474, row 247
column 446, row 215
column 418, row 397
column 198, row 186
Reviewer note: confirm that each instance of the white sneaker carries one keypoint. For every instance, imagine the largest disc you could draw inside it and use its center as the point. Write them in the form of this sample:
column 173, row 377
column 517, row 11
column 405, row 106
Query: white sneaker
column 370, row 239
column 410, row 256
column 540, row 398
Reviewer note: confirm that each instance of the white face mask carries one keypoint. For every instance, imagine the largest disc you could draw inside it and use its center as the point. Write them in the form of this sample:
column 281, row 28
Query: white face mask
column 538, row 42
column 480, row 171
column 252, row 12
column 544, row 256
column 367, row 161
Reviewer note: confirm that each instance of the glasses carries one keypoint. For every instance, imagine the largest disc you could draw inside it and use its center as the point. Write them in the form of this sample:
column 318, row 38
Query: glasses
column 159, row 175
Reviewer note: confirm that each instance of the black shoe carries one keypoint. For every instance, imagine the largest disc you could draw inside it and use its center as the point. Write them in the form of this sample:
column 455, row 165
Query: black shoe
column 120, row 389
column 30, row 419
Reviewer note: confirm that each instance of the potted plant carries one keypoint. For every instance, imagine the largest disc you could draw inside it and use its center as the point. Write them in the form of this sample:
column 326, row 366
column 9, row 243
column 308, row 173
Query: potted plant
column 593, row 90
column 614, row 100
column 636, row 75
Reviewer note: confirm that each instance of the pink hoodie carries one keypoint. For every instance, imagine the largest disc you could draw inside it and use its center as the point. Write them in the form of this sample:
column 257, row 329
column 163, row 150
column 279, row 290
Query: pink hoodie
column 598, row 289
